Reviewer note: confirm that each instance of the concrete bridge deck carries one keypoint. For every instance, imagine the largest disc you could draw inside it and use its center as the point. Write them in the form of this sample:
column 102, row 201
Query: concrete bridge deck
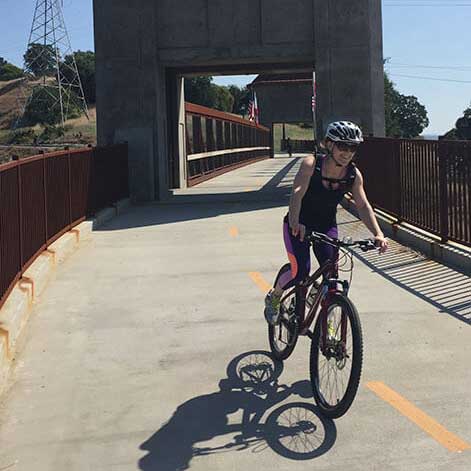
column 131, row 354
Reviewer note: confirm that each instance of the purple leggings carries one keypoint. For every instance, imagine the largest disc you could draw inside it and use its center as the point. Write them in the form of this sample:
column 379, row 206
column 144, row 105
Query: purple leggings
column 299, row 257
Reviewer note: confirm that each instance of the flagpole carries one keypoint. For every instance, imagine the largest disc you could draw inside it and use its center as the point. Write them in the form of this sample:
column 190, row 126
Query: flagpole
column 314, row 106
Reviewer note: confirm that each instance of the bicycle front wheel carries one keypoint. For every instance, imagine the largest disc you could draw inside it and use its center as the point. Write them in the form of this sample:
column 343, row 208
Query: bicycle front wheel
column 284, row 335
column 335, row 366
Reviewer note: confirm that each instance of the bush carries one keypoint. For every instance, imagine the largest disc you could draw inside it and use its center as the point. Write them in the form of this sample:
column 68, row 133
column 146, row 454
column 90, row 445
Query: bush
column 10, row 72
column 22, row 136
column 51, row 133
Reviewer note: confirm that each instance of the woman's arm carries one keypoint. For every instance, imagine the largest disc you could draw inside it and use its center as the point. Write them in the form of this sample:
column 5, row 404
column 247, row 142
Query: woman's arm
column 300, row 186
column 366, row 212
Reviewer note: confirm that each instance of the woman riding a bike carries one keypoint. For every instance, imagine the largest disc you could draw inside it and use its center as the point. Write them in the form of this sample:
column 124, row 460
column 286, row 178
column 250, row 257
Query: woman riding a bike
column 318, row 188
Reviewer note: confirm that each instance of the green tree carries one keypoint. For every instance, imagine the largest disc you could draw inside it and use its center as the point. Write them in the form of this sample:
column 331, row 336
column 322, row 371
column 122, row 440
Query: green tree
column 199, row 90
column 391, row 99
column 462, row 129
column 412, row 116
column 405, row 115
column 241, row 99
column 223, row 99
column 9, row 71
column 463, row 125
column 40, row 60
column 85, row 61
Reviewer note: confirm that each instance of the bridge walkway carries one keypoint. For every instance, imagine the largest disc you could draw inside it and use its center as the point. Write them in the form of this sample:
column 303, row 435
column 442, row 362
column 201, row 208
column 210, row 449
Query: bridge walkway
column 132, row 355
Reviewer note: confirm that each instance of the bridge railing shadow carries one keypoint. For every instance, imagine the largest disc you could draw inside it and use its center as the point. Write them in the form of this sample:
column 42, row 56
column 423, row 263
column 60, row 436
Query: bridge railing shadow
column 197, row 203
column 294, row 430
column 443, row 287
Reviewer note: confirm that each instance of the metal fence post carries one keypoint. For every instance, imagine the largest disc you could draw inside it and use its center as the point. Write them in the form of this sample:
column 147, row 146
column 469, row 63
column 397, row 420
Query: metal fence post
column 442, row 176
column 46, row 231
column 20, row 213
column 69, row 165
column 397, row 175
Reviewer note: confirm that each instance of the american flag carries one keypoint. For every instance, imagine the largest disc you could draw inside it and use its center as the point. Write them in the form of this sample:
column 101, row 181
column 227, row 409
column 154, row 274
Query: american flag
column 253, row 109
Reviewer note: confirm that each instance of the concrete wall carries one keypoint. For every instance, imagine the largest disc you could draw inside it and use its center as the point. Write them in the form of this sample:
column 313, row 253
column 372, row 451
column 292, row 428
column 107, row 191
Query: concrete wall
column 218, row 32
column 284, row 103
column 140, row 46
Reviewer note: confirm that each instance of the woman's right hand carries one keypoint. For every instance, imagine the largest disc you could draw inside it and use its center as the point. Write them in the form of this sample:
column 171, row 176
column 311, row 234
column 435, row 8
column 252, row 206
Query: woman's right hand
column 298, row 229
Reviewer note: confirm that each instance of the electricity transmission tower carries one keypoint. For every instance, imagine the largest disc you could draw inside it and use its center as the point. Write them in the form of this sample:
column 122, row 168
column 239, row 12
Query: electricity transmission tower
column 52, row 79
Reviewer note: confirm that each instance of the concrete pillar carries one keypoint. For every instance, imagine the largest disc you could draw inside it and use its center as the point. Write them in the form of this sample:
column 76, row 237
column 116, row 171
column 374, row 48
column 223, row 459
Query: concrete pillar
column 182, row 132
column 161, row 143
column 131, row 91
column 349, row 63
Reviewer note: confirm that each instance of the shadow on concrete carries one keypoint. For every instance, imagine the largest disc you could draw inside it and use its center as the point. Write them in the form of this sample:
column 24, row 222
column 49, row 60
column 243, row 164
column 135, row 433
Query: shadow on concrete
column 279, row 177
column 294, row 430
column 205, row 203
column 443, row 287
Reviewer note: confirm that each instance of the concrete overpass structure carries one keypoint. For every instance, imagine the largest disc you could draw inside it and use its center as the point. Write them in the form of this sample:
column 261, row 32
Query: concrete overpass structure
column 143, row 50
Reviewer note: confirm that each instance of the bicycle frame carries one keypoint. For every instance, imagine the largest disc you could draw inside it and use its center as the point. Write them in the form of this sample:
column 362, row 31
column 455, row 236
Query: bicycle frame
column 327, row 289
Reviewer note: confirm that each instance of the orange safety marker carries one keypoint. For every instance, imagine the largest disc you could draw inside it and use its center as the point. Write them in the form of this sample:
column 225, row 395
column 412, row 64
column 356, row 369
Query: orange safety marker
column 258, row 279
column 420, row 418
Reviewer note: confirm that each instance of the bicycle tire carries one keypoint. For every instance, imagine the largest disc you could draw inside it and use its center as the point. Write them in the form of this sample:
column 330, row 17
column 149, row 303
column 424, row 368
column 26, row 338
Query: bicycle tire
column 342, row 405
column 289, row 322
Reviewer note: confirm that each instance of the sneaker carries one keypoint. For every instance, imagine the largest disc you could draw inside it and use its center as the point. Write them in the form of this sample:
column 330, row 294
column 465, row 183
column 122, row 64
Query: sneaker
column 272, row 308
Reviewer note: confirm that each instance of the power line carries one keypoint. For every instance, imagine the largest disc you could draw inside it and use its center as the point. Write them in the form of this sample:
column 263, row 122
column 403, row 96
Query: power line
column 431, row 78
column 463, row 68
column 427, row 4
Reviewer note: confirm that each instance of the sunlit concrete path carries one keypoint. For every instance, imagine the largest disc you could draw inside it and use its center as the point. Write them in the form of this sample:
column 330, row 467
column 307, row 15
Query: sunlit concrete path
column 134, row 356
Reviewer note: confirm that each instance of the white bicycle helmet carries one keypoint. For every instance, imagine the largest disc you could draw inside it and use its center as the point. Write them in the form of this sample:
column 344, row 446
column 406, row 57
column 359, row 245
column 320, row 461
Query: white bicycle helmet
column 344, row 131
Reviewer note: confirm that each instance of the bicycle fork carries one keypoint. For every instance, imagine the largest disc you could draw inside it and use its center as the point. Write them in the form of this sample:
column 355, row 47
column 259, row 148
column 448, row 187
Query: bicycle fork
column 325, row 327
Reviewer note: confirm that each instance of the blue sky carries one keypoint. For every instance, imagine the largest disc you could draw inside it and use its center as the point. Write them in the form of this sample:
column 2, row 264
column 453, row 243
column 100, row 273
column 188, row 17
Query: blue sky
column 425, row 33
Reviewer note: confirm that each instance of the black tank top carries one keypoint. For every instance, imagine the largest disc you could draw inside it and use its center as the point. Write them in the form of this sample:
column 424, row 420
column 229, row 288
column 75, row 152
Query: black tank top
column 319, row 204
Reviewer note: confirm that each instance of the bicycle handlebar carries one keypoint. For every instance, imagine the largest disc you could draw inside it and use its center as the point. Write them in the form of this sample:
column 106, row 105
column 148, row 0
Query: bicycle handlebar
column 363, row 244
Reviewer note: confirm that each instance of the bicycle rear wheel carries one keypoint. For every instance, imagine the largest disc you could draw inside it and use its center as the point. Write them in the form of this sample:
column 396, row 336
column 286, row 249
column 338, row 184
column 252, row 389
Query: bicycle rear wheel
column 284, row 335
column 335, row 368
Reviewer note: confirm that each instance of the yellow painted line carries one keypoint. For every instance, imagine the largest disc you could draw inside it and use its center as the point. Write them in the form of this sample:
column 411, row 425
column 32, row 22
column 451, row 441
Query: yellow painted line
column 233, row 231
column 420, row 418
column 258, row 279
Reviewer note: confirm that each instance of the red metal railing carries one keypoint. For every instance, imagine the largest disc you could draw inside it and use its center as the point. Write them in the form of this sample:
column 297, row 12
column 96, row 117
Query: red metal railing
column 424, row 183
column 298, row 145
column 44, row 196
column 217, row 142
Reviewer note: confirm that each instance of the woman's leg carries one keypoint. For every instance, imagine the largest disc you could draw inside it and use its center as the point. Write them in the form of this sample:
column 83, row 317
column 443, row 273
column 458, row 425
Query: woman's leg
column 299, row 267
column 299, row 258
column 325, row 252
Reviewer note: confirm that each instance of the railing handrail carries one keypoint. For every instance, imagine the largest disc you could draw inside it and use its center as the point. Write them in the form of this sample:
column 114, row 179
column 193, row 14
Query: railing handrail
column 192, row 108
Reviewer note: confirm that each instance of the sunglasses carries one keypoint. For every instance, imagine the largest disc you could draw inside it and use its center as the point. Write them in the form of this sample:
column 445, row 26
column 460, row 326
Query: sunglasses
column 343, row 147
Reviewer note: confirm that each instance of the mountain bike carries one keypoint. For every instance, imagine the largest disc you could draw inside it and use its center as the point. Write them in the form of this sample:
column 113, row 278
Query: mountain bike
column 336, row 352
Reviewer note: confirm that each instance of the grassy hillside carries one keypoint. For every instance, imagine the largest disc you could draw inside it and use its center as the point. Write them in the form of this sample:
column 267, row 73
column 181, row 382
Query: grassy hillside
column 293, row 131
column 79, row 131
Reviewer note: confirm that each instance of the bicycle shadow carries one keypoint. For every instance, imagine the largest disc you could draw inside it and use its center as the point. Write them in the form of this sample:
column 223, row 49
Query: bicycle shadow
column 295, row 430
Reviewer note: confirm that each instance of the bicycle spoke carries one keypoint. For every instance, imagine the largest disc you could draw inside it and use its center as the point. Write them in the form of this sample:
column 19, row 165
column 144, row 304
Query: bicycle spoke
column 335, row 363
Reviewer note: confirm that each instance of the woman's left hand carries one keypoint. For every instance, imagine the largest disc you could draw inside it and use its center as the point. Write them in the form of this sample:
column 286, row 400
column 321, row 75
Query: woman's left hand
column 382, row 243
